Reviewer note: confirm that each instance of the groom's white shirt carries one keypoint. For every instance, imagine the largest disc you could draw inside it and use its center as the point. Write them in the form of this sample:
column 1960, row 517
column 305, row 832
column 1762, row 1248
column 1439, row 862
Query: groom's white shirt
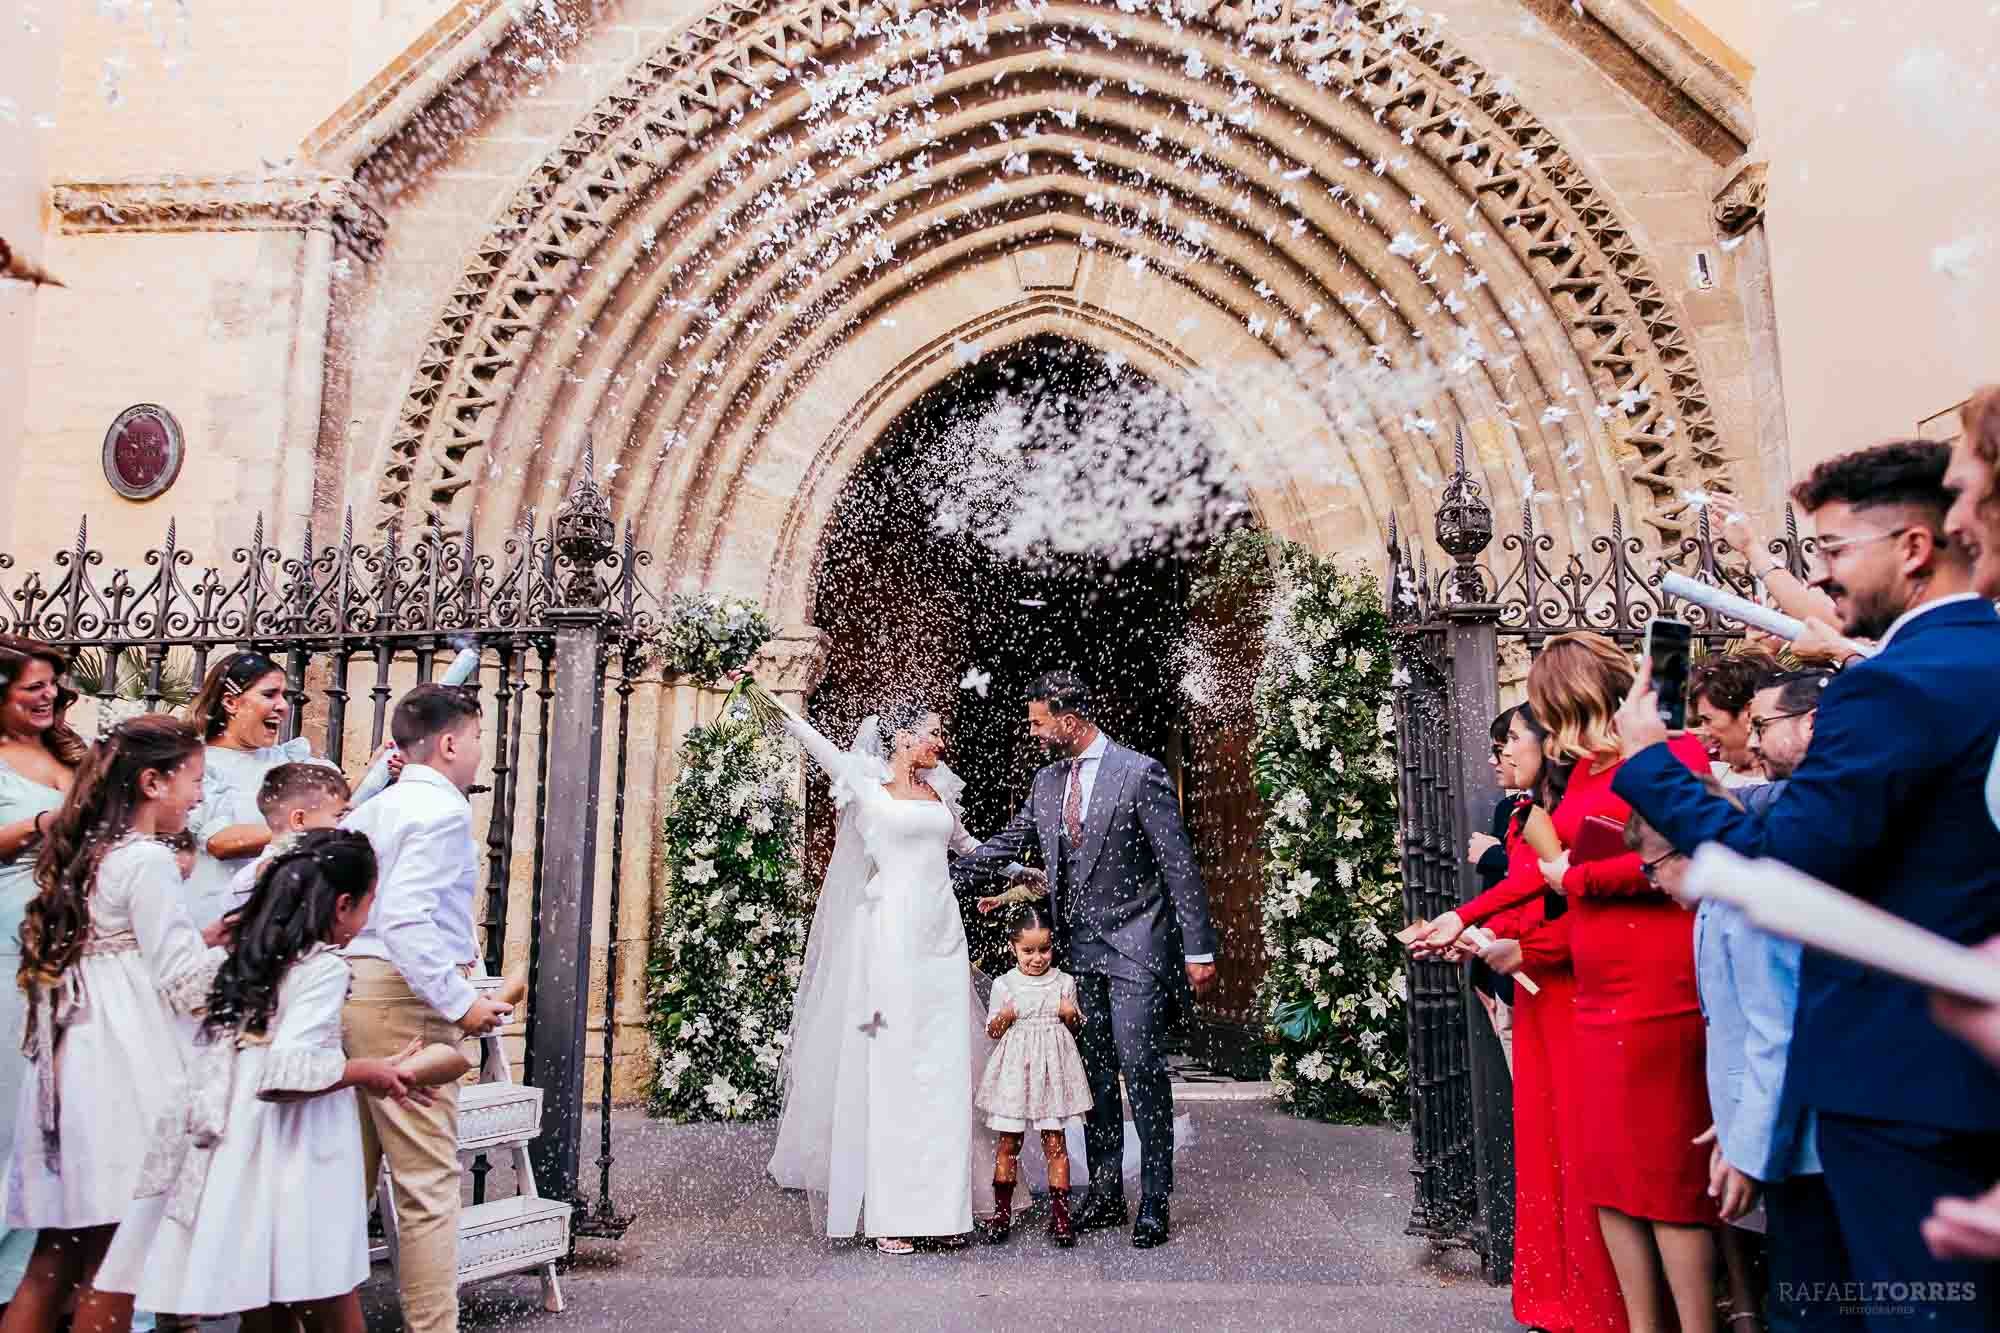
column 1093, row 756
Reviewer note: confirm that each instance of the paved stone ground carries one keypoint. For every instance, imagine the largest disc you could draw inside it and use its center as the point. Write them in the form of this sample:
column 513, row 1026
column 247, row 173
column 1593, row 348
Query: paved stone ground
column 1279, row 1224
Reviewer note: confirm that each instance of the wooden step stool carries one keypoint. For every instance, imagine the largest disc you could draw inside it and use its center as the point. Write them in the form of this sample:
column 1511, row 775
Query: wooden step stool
column 501, row 1235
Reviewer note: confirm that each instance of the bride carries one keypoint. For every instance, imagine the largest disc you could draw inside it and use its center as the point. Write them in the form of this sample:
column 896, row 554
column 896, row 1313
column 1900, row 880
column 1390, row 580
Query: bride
column 887, row 1035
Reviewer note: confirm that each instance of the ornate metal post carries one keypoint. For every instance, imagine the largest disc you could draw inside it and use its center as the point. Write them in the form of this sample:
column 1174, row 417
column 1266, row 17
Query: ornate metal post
column 584, row 534
column 1468, row 602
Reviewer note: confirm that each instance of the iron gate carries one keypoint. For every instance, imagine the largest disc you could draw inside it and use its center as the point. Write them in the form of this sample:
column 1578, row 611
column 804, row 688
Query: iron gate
column 1449, row 627
column 353, row 626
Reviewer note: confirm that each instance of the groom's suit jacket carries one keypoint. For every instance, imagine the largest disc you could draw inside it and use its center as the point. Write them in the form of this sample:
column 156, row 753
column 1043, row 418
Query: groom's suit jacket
column 1128, row 899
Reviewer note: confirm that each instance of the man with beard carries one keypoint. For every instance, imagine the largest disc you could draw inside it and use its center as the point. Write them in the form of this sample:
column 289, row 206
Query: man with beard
column 1887, row 804
column 1781, row 728
column 1132, row 926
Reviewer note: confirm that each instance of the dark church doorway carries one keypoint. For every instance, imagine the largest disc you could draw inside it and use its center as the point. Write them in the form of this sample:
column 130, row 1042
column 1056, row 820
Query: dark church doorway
column 911, row 611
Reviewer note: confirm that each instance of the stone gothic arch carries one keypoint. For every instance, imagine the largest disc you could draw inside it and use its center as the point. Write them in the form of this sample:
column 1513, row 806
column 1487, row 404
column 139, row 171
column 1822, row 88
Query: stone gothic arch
column 764, row 239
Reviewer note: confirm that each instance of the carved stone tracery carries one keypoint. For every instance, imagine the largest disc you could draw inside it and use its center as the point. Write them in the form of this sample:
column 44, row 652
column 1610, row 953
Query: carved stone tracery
column 303, row 201
column 1739, row 204
column 1623, row 324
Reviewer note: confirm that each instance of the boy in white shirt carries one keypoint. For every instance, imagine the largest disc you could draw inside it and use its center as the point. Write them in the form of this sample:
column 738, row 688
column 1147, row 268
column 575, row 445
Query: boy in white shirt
column 410, row 966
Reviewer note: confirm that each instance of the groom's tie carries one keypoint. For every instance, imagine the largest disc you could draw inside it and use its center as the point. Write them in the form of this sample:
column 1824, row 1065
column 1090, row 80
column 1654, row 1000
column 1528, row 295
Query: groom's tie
column 1073, row 806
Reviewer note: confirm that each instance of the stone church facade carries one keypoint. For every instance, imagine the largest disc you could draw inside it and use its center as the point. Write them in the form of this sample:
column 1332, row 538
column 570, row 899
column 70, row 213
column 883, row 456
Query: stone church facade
column 725, row 246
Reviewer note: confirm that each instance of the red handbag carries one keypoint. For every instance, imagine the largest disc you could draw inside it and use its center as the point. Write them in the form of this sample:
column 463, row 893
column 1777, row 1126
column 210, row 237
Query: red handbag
column 1600, row 839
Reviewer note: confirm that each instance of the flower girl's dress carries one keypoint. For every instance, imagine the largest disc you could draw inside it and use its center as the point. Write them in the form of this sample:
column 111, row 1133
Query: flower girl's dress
column 246, row 1202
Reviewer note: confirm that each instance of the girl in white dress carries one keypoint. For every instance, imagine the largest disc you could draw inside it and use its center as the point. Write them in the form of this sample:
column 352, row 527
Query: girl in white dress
column 108, row 956
column 1035, row 1076
column 251, row 1199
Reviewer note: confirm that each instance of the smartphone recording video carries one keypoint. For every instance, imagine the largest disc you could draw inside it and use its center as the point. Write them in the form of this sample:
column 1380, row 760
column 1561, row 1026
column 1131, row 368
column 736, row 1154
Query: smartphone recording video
column 1669, row 644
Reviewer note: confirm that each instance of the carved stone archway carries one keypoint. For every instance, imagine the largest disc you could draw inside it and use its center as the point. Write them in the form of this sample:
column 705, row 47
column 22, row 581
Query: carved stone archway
column 778, row 218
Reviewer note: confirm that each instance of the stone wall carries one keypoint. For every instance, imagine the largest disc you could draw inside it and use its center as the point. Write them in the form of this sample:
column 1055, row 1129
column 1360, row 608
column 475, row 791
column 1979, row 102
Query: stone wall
column 294, row 338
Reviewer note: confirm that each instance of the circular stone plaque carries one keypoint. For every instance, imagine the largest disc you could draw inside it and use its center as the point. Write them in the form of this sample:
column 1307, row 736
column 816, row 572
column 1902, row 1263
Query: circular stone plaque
column 142, row 451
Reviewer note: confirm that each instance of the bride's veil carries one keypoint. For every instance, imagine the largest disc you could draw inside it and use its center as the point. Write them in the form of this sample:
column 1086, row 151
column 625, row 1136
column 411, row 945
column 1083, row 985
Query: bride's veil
column 822, row 1076
column 817, row 1107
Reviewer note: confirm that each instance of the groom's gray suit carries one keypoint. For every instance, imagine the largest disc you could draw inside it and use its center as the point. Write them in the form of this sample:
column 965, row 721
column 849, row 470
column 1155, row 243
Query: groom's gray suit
column 1129, row 905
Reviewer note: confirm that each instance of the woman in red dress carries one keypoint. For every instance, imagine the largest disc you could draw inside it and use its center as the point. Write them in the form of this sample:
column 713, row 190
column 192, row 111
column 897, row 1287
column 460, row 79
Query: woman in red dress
column 1641, row 1083
column 1640, row 1091
column 1563, row 1278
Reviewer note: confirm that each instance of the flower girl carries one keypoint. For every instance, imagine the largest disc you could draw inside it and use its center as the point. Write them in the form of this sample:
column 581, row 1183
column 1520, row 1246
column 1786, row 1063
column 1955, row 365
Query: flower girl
column 251, row 1198
column 108, row 954
column 1035, row 1075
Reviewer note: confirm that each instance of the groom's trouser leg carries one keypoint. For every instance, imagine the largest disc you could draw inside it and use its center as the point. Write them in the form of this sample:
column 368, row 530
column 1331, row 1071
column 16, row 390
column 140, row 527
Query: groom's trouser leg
column 1124, row 1025
column 1104, row 1127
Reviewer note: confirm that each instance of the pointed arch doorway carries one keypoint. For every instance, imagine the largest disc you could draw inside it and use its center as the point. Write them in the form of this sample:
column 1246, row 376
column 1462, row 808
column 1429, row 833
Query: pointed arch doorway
column 965, row 625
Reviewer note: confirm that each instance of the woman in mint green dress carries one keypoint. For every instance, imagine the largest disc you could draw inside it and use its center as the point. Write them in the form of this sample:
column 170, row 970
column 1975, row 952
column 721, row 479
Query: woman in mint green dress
column 38, row 756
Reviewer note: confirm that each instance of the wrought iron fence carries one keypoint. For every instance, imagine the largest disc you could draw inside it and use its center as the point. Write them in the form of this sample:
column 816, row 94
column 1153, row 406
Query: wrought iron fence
column 349, row 622
column 1449, row 624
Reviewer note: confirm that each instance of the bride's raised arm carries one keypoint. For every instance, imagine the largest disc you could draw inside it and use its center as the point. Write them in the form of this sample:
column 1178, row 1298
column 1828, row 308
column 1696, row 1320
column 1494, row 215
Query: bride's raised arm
column 853, row 771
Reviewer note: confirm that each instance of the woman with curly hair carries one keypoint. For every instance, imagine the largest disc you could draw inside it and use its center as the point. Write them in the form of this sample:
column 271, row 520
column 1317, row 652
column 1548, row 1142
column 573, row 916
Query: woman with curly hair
column 108, row 956
column 1974, row 480
column 219, row 1224
column 39, row 755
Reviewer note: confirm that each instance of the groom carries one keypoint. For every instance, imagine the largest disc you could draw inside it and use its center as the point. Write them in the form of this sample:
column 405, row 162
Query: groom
column 1126, row 897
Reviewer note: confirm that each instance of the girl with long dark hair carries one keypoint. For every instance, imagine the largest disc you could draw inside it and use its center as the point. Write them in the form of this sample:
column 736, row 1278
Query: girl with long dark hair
column 106, row 939
column 221, row 1224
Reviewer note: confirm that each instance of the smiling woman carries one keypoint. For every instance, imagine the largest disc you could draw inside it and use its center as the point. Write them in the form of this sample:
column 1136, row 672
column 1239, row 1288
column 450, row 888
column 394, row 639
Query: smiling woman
column 241, row 711
column 39, row 755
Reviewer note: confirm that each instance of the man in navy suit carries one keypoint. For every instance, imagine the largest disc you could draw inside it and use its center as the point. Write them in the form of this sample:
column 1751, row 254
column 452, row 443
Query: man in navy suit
column 1887, row 805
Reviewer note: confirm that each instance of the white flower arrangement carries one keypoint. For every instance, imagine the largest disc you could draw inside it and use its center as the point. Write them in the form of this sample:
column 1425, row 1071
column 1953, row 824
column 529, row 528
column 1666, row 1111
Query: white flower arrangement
column 730, row 941
column 1332, row 992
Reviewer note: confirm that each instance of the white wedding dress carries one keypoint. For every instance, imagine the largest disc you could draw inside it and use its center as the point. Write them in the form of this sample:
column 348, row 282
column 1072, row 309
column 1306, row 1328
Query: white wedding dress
column 887, row 1041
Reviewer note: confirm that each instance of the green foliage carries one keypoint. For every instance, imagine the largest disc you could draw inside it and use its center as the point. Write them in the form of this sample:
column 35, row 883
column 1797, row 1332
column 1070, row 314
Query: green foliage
column 729, row 943
column 131, row 675
column 708, row 638
column 1333, row 989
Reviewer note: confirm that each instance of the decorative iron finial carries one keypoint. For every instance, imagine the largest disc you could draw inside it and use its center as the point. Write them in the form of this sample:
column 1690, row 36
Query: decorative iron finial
column 347, row 528
column 585, row 533
column 1464, row 528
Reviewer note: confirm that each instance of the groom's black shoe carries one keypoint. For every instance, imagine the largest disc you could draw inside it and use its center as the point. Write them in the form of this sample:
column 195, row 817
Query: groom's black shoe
column 1105, row 1210
column 1151, row 1229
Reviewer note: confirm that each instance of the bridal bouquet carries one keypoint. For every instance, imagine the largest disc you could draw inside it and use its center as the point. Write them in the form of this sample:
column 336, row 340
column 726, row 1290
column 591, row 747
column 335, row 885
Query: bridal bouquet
column 707, row 639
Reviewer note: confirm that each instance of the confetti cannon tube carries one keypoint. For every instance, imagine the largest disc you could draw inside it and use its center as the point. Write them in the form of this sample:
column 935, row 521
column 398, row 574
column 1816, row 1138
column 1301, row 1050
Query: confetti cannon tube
column 463, row 667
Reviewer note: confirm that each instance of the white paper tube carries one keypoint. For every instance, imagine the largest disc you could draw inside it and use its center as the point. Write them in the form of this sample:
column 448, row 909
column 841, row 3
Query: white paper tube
column 461, row 670
column 1482, row 939
column 1729, row 604
column 1787, row 902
